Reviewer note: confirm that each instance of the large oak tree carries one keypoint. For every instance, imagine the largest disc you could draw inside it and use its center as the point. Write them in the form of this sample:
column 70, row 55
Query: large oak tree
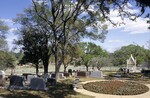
column 59, row 17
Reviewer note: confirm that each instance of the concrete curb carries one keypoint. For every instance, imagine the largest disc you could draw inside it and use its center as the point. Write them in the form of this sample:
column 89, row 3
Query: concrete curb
column 96, row 95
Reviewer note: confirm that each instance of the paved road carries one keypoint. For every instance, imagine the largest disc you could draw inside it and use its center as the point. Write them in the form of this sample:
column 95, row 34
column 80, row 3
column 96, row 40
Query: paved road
column 96, row 95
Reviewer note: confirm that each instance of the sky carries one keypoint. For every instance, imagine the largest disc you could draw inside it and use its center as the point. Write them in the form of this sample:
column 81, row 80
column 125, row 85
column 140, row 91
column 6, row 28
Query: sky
column 130, row 33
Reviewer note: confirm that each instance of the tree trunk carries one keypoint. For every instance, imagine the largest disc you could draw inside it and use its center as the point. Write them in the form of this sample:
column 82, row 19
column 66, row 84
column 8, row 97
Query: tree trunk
column 57, row 64
column 45, row 63
column 57, row 67
column 37, row 69
column 87, row 68
column 65, row 67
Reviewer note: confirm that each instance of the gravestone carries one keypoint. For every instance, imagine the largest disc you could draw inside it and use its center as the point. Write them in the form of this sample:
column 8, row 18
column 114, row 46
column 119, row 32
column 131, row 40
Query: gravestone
column 29, row 77
column 70, row 71
column 82, row 74
column 26, row 75
column 53, row 75
column 61, row 76
column 75, row 83
column 2, row 77
column 38, row 84
column 96, row 74
column 51, row 81
column 46, row 76
column 16, row 82
column 66, row 74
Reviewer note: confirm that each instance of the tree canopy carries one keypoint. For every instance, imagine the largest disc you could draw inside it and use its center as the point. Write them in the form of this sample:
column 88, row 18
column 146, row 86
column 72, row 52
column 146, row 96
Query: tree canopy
column 90, row 51
column 68, row 21
column 7, row 60
column 34, row 39
column 124, row 53
column 3, row 31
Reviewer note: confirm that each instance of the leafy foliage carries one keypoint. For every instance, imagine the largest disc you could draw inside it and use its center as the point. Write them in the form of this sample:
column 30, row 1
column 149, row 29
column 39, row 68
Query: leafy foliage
column 67, row 21
column 124, row 53
column 73, row 52
column 90, row 51
column 100, row 62
column 3, row 31
column 7, row 60
column 34, row 39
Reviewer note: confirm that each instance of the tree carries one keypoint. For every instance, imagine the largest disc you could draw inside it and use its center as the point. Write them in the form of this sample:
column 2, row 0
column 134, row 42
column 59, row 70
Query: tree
column 19, row 56
column 3, row 31
column 62, row 12
column 99, row 62
column 147, row 53
column 124, row 53
column 7, row 60
column 3, row 45
column 91, row 51
column 73, row 52
column 34, row 39
column 148, row 44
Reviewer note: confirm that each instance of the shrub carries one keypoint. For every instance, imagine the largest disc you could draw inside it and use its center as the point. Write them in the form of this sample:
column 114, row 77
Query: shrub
column 146, row 72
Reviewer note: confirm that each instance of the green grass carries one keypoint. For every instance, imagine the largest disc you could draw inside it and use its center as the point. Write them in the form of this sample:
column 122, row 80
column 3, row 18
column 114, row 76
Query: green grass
column 23, row 94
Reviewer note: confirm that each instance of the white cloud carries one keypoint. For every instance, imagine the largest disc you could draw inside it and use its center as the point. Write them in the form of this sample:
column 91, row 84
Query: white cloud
column 132, row 27
column 9, row 22
column 116, row 41
column 12, row 30
column 113, row 46
column 136, row 27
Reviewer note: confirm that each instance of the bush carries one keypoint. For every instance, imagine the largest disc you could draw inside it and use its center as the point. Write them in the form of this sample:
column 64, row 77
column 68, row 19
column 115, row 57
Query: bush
column 146, row 72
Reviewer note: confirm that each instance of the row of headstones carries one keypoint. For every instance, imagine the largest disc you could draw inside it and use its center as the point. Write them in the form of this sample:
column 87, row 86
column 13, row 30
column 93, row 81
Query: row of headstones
column 35, row 82
column 38, row 83
column 17, row 82
column 95, row 74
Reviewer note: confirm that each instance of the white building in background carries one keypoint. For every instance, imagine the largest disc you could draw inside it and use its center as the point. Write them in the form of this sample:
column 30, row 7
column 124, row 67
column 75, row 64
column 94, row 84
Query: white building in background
column 131, row 64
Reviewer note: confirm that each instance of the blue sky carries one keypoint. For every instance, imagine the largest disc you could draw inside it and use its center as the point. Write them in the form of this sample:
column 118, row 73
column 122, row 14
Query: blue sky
column 131, row 33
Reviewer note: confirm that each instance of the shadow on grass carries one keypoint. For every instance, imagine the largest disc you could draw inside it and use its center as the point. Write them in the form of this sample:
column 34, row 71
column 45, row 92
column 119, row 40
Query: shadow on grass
column 24, row 94
column 60, row 90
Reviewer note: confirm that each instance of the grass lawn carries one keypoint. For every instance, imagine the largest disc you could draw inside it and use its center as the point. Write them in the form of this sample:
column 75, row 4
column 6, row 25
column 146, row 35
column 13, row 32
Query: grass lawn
column 61, row 90
column 41, row 94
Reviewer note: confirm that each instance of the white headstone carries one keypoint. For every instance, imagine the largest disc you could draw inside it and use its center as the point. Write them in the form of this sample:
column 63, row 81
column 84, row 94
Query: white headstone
column 96, row 74
column 61, row 76
column 29, row 77
column 2, row 76
column 46, row 76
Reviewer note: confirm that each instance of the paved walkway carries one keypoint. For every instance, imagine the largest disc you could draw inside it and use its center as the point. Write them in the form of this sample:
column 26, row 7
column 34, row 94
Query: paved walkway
column 96, row 95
